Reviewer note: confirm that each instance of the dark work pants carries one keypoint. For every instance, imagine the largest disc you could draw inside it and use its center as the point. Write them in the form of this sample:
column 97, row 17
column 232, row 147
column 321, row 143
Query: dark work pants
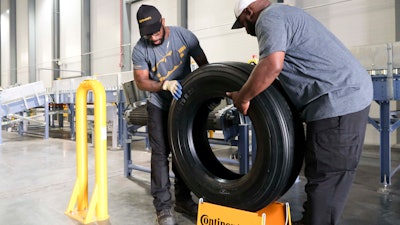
column 334, row 147
column 160, row 150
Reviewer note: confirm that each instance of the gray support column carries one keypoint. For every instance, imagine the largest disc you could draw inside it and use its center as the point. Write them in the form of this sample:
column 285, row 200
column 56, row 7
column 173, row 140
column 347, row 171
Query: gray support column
column 1, row 74
column 126, row 37
column 397, row 31
column 85, row 38
column 32, row 40
column 397, row 19
column 183, row 12
column 13, row 42
column 56, row 39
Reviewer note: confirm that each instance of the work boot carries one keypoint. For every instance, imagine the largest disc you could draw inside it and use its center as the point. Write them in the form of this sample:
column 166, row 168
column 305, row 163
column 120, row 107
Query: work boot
column 164, row 217
column 297, row 222
column 187, row 207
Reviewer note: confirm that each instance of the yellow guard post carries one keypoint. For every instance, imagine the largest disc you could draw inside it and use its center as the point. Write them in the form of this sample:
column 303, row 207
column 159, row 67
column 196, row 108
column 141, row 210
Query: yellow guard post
column 98, row 208
column 275, row 213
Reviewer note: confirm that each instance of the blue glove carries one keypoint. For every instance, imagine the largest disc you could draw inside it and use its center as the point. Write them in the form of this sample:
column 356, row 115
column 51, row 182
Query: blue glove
column 174, row 87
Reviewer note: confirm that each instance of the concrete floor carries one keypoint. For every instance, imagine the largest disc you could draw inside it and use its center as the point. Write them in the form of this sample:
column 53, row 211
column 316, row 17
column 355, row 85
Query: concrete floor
column 38, row 175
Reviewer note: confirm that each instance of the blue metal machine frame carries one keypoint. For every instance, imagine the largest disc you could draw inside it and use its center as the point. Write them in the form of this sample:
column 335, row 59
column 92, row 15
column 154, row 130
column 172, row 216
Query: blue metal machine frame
column 387, row 122
column 386, row 84
column 242, row 143
column 20, row 99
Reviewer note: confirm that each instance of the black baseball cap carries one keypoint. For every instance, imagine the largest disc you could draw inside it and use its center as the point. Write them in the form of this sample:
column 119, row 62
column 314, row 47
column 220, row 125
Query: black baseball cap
column 149, row 20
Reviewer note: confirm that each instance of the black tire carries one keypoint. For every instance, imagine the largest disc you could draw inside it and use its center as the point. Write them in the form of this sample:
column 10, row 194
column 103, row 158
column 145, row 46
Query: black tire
column 279, row 139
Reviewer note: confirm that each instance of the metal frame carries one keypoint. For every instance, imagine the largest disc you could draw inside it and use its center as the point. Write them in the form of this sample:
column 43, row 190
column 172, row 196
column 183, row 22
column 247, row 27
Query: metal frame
column 20, row 99
column 386, row 84
column 242, row 144
column 63, row 92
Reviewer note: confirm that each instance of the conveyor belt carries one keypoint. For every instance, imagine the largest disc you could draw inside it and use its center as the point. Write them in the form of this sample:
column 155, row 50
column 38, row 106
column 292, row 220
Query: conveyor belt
column 21, row 98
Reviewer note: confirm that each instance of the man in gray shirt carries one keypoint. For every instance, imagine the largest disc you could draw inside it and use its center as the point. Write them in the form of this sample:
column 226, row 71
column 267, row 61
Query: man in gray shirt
column 327, row 85
column 161, row 58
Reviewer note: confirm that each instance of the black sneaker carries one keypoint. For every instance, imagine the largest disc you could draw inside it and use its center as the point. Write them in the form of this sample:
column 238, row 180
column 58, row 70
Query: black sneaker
column 164, row 217
column 187, row 207
column 297, row 222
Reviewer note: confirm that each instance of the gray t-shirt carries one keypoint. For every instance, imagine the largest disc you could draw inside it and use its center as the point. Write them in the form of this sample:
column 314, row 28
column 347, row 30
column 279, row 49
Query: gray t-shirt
column 320, row 75
column 168, row 61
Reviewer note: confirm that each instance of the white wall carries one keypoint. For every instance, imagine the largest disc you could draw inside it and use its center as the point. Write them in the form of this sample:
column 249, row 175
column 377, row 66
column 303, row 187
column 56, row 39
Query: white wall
column 355, row 22
column 105, row 36
column 44, row 10
column 5, row 43
column 22, row 42
column 214, row 31
column 70, row 38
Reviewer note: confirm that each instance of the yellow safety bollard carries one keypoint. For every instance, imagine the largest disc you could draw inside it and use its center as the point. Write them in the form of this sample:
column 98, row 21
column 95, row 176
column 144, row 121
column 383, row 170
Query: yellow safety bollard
column 97, row 210
column 211, row 133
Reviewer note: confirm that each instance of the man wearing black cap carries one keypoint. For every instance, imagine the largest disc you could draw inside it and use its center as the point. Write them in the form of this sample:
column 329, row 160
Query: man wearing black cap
column 327, row 85
column 161, row 58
